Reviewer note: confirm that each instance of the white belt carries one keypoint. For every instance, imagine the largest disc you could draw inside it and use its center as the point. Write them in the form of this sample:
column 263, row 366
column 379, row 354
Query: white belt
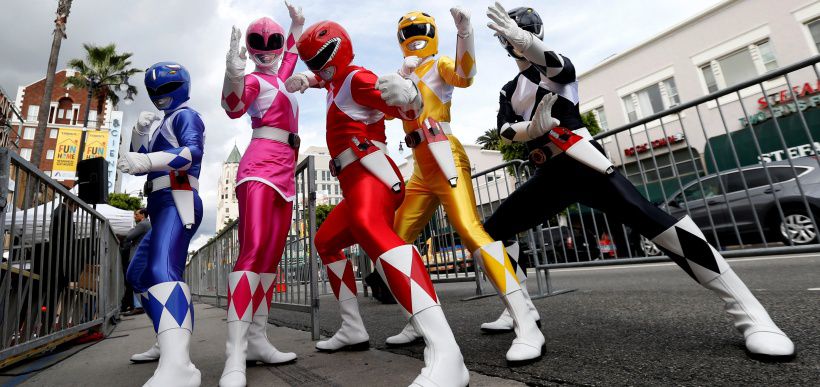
column 445, row 128
column 280, row 135
column 380, row 145
column 164, row 181
column 346, row 158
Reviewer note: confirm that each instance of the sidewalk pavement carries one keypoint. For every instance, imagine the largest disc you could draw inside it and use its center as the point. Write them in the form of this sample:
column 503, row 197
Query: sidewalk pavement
column 106, row 363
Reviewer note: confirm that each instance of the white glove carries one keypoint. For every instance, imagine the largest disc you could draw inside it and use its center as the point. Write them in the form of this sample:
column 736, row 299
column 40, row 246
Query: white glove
column 461, row 17
column 297, row 82
column 144, row 122
column 235, row 60
column 296, row 16
column 542, row 119
column 409, row 66
column 396, row 91
column 134, row 163
column 505, row 27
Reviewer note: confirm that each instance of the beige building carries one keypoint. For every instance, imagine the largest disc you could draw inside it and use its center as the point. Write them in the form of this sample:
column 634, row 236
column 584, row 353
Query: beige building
column 731, row 42
column 227, row 208
column 328, row 190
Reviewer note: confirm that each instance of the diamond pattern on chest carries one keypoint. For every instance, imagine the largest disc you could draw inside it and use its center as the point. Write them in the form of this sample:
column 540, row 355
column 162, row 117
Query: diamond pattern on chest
column 267, row 94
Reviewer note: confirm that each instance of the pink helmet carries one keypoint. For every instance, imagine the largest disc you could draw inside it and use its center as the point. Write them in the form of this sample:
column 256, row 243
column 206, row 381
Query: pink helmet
column 265, row 40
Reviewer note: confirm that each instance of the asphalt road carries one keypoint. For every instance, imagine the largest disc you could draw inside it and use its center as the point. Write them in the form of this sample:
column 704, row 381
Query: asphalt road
column 627, row 325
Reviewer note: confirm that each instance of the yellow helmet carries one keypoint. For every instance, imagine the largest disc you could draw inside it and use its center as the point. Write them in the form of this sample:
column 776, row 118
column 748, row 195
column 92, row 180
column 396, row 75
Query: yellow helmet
column 417, row 35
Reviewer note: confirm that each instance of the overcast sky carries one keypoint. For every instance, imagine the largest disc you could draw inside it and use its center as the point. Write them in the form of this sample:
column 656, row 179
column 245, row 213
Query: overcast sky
column 196, row 34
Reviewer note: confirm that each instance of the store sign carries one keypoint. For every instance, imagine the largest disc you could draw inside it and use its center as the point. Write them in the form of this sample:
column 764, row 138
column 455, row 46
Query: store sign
column 791, row 153
column 781, row 103
column 673, row 139
column 66, row 154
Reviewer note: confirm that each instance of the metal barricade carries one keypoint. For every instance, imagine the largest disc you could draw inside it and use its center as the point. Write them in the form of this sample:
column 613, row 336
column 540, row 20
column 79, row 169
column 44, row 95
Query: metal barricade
column 752, row 184
column 60, row 274
column 296, row 284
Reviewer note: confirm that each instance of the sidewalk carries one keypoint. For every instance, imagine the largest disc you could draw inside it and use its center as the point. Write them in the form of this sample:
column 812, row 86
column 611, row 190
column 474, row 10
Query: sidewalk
column 106, row 363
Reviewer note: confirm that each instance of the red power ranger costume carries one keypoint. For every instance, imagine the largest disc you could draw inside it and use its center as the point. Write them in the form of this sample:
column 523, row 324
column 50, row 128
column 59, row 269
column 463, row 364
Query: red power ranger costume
column 372, row 190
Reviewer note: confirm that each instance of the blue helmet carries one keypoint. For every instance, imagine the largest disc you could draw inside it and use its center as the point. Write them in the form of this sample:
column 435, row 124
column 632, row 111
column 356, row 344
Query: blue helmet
column 168, row 84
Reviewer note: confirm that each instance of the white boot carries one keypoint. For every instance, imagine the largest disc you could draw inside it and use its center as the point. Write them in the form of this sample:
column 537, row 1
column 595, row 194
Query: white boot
column 173, row 302
column 763, row 337
column 686, row 245
column 236, row 350
column 175, row 367
column 504, row 323
column 407, row 336
column 260, row 348
column 528, row 345
column 241, row 286
column 351, row 336
column 443, row 363
column 152, row 354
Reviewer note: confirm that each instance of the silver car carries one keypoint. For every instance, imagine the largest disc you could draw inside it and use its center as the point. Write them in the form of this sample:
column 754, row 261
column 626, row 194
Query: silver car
column 740, row 207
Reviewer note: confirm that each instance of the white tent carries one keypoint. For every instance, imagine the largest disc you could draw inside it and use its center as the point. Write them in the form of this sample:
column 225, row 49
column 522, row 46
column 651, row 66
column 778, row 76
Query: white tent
column 24, row 222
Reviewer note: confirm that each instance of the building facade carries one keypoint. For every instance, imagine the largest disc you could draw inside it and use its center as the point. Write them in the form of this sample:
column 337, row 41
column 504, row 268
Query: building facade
column 227, row 208
column 732, row 42
column 328, row 190
column 67, row 110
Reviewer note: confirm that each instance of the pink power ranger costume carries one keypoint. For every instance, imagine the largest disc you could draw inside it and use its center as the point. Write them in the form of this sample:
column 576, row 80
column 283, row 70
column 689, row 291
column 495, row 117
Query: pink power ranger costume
column 265, row 185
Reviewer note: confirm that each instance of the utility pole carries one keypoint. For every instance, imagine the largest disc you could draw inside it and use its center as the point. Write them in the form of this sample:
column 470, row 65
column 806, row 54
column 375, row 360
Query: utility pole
column 63, row 8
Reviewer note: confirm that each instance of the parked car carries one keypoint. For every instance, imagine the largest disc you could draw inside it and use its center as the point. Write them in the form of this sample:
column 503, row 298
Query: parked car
column 571, row 244
column 721, row 201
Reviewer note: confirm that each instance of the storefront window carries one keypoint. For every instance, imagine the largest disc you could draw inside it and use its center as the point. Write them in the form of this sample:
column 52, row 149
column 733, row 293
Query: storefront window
column 651, row 174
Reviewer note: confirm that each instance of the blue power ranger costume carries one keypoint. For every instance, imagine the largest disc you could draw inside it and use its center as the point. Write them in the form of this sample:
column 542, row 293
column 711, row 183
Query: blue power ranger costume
column 171, row 156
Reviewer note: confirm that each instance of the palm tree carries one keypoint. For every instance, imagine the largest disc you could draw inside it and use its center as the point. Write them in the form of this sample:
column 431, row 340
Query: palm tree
column 489, row 140
column 63, row 9
column 103, row 73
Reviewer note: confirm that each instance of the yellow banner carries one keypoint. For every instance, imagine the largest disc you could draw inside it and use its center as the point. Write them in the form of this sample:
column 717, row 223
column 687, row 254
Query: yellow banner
column 65, row 155
column 96, row 144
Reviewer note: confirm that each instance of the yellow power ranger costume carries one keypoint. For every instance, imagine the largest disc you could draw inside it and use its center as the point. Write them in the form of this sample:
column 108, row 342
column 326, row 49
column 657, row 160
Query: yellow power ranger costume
column 442, row 171
column 436, row 79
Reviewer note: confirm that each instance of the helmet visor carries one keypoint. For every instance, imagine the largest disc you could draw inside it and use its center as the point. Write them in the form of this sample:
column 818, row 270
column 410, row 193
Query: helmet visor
column 422, row 29
column 164, row 89
column 257, row 42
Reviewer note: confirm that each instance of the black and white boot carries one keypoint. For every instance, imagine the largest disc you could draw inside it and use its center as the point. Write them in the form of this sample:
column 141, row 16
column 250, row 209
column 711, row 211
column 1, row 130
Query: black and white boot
column 686, row 245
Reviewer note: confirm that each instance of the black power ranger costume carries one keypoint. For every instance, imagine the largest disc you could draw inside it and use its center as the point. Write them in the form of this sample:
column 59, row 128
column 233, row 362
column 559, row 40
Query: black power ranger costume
column 540, row 107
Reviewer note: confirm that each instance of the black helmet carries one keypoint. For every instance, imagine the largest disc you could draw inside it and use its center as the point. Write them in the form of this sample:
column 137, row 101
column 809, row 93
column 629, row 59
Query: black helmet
column 528, row 20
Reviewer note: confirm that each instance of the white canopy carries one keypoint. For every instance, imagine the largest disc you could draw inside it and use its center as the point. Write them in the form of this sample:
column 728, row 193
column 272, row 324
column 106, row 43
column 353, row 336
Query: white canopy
column 121, row 220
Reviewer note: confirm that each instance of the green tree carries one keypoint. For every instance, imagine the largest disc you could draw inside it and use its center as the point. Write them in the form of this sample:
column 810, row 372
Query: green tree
column 124, row 201
column 489, row 140
column 102, row 71
column 591, row 123
column 322, row 211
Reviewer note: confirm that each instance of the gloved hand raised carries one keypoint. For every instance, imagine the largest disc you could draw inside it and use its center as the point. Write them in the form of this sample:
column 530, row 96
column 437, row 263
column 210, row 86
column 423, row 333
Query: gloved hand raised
column 409, row 66
column 237, row 56
column 144, row 122
column 461, row 17
column 542, row 119
column 505, row 27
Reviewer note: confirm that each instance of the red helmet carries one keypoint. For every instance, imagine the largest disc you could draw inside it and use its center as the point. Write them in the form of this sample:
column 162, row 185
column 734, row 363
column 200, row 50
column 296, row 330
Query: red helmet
column 325, row 47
